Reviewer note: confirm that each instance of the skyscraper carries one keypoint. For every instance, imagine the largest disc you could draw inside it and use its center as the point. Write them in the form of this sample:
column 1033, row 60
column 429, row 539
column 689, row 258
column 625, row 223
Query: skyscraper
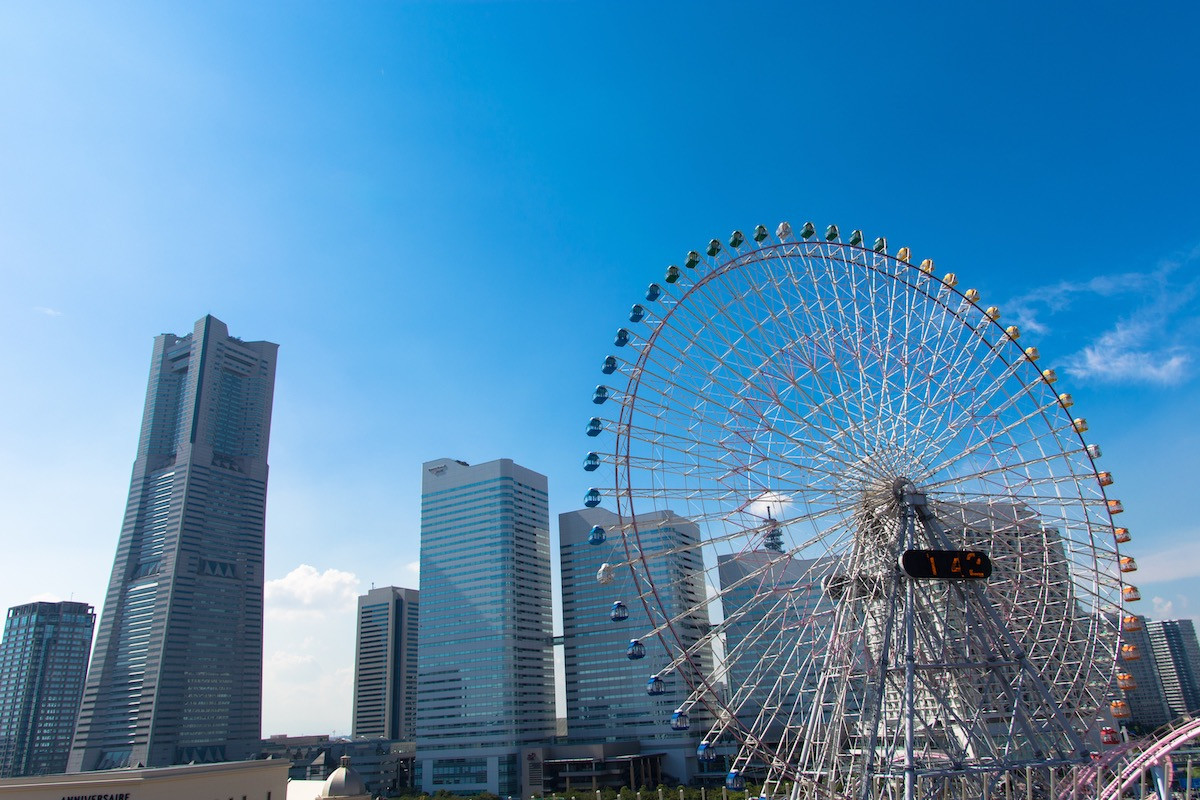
column 43, row 661
column 606, row 691
column 176, row 675
column 385, row 665
column 1147, row 700
column 485, row 682
column 777, row 627
column 1177, row 656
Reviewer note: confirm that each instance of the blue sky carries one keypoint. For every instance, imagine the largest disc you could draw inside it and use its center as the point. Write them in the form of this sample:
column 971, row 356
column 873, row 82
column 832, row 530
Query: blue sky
column 441, row 211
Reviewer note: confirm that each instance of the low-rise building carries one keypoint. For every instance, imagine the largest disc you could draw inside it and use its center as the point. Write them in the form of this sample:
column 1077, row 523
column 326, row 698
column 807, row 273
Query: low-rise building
column 251, row 780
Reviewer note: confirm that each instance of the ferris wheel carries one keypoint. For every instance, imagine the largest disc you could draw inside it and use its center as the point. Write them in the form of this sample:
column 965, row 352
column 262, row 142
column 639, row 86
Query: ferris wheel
column 909, row 579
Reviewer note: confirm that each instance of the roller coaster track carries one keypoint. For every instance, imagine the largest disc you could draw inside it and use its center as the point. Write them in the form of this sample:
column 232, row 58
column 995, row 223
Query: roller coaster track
column 1126, row 762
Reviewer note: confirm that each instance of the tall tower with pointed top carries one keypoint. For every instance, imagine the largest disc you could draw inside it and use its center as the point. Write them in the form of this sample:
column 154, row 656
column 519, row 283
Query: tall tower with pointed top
column 176, row 675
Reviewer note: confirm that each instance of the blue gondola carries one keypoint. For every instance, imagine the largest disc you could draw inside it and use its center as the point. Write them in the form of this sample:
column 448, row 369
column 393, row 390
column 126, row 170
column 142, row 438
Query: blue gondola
column 656, row 686
column 592, row 498
column 620, row 612
column 734, row 781
column 672, row 274
column 653, row 292
column 594, row 426
column 635, row 650
column 597, row 535
column 637, row 313
column 591, row 462
column 600, row 395
column 610, row 365
column 622, row 337
column 680, row 721
column 706, row 752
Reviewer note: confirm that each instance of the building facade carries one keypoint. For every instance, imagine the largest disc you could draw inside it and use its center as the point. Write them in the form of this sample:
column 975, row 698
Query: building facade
column 766, row 595
column 176, row 676
column 606, row 693
column 248, row 780
column 1147, row 700
column 485, row 685
column 1177, row 656
column 43, row 663
column 385, row 665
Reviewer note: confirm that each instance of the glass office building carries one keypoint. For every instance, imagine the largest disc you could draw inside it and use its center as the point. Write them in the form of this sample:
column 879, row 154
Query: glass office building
column 606, row 690
column 43, row 662
column 1177, row 656
column 176, row 676
column 485, row 683
column 385, row 665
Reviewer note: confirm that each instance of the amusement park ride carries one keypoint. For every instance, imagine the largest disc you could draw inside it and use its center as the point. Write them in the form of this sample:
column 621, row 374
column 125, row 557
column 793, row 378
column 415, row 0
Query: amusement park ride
column 931, row 591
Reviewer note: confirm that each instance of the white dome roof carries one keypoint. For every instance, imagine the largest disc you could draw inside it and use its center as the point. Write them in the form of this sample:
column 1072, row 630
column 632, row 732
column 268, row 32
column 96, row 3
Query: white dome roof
column 344, row 782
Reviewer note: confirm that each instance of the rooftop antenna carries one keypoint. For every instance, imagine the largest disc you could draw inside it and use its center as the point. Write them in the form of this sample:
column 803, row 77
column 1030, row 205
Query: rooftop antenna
column 773, row 539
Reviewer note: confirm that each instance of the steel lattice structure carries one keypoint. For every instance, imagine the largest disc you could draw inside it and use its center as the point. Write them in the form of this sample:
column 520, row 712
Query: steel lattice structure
column 817, row 408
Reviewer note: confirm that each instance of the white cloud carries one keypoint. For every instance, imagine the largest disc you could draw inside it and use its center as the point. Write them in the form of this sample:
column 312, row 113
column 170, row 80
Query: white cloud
column 49, row 312
column 1028, row 309
column 305, row 593
column 308, row 651
column 1122, row 355
column 1162, row 608
column 414, row 567
column 1172, row 563
column 1152, row 343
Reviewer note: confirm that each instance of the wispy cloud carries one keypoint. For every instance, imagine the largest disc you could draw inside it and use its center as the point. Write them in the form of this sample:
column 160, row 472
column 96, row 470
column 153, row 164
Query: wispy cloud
column 1126, row 353
column 1149, row 340
column 49, row 312
column 305, row 592
column 1171, row 563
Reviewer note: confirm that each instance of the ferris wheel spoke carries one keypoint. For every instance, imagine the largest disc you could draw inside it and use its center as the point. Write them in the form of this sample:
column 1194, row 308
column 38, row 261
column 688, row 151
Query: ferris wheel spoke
column 702, row 397
column 971, row 414
column 996, row 436
column 948, row 341
column 812, row 364
column 1023, row 462
column 684, row 446
column 814, row 403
